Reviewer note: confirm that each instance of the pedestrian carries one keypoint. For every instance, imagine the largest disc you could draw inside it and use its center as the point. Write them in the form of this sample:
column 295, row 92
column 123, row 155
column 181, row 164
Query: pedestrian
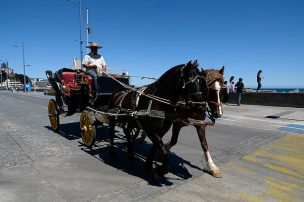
column 231, row 87
column 240, row 88
column 94, row 63
column 259, row 80
column 225, row 92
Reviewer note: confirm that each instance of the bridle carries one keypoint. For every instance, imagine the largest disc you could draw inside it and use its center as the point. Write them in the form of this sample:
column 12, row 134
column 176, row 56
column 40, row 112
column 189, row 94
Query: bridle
column 210, row 78
column 194, row 82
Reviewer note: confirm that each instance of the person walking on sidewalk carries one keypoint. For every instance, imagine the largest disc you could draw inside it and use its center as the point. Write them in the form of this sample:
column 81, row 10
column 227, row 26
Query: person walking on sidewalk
column 231, row 87
column 240, row 88
column 259, row 80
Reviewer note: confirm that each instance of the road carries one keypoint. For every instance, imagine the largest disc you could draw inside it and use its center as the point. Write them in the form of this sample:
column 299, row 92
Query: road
column 249, row 144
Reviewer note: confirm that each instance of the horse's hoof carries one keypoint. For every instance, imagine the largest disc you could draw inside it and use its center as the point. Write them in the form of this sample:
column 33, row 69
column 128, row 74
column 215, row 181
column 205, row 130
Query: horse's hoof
column 216, row 173
column 213, row 173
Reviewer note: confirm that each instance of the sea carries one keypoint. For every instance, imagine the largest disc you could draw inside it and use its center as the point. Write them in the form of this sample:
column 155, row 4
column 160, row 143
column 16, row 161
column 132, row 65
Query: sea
column 280, row 90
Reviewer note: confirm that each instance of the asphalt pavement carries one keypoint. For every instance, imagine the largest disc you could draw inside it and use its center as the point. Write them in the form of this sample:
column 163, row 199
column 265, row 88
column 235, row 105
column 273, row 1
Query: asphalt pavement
column 259, row 150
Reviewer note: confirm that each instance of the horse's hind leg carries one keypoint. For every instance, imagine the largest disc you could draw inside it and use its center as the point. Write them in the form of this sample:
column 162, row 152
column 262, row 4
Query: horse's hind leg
column 129, row 141
column 149, row 161
column 210, row 167
column 112, row 135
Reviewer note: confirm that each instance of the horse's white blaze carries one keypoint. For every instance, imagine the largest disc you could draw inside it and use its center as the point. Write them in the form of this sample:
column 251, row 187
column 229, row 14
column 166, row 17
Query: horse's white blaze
column 217, row 87
column 210, row 165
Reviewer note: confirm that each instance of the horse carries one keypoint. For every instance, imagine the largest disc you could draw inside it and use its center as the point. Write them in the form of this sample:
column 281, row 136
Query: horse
column 155, row 107
column 211, row 95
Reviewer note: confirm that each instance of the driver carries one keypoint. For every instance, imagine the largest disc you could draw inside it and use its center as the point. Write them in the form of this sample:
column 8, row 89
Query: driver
column 94, row 63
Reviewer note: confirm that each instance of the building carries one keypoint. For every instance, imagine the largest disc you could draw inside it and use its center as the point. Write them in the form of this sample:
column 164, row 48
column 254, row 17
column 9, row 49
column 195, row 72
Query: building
column 40, row 83
column 17, row 85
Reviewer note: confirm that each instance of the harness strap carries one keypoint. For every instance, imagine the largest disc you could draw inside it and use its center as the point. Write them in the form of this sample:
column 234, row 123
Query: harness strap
column 138, row 95
column 209, row 115
column 149, row 107
column 156, row 98
column 121, row 98
column 196, row 122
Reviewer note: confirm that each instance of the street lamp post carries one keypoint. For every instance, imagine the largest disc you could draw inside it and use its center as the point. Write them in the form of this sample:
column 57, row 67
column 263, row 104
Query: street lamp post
column 24, row 81
column 23, row 58
column 80, row 29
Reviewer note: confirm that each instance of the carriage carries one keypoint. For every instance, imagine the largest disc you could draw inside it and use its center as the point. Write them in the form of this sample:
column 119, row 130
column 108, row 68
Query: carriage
column 182, row 96
column 74, row 93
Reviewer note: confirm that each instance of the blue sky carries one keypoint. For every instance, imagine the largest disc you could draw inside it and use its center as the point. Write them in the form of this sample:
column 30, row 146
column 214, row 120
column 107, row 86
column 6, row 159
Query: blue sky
column 147, row 37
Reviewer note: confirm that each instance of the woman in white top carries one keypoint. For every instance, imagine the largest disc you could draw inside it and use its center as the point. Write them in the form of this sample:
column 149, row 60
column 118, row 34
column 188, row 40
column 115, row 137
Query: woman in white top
column 231, row 87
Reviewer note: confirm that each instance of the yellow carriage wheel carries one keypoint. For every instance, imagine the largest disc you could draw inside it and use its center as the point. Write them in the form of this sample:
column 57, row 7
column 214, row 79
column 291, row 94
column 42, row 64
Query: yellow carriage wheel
column 53, row 115
column 88, row 131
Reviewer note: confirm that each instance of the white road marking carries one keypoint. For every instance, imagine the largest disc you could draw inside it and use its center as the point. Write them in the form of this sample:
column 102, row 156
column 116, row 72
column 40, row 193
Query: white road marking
column 255, row 119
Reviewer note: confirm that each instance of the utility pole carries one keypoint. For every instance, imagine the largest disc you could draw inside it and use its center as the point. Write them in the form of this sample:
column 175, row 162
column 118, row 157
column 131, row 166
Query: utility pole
column 80, row 29
column 88, row 28
column 7, row 70
column 7, row 73
column 24, row 82
column 80, row 21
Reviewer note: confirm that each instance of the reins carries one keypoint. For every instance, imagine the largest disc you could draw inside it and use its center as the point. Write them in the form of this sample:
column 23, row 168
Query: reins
column 154, row 97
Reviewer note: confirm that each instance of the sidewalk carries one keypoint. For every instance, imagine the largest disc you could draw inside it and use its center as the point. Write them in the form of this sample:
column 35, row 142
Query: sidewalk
column 272, row 173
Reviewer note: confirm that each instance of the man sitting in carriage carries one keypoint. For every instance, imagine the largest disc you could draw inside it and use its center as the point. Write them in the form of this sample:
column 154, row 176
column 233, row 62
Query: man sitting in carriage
column 94, row 63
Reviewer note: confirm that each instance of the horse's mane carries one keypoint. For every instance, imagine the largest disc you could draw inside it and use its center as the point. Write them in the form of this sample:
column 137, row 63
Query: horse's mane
column 166, row 74
column 212, row 75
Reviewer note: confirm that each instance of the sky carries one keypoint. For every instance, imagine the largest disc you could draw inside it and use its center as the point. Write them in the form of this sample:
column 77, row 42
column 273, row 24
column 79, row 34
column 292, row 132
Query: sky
column 148, row 37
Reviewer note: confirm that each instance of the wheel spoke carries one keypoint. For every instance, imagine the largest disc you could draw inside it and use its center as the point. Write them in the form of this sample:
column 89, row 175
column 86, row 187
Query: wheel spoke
column 88, row 129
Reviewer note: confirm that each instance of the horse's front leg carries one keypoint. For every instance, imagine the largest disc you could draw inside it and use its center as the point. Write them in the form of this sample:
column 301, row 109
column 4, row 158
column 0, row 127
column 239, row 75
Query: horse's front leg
column 158, row 145
column 175, row 132
column 210, row 167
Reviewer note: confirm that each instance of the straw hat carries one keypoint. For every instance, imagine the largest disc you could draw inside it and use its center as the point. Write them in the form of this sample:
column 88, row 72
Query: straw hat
column 94, row 44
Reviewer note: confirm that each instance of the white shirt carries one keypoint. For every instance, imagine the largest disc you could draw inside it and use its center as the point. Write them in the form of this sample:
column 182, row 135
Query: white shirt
column 92, row 59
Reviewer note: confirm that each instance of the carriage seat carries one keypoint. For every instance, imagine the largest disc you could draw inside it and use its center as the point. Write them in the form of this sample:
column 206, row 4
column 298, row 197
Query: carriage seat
column 67, row 75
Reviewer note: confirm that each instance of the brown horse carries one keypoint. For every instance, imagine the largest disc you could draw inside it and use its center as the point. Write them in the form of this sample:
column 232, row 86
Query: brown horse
column 214, row 110
column 156, row 107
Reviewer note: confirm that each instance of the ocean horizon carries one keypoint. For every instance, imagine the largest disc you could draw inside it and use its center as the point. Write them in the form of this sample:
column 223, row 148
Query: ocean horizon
column 281, row 90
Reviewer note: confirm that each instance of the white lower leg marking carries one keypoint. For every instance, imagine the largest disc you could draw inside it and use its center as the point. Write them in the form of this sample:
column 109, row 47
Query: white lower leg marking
column 209, row 162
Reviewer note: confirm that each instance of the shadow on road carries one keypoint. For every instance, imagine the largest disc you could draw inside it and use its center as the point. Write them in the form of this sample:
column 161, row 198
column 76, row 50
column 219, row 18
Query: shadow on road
column 133, row 165
column 70, row 131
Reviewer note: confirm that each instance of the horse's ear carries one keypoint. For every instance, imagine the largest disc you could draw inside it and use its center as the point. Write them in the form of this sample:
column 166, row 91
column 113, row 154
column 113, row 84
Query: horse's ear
column 189, row 64
column 195, row 63
column 222, row 70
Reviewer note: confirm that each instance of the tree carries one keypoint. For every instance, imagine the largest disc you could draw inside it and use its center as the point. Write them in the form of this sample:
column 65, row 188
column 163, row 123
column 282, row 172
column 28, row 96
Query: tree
column 3, row 72
column 3, row 75
column 3, row 65
column 20, row 77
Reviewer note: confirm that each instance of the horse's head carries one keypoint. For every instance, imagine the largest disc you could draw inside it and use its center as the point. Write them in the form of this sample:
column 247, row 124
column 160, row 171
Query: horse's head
column 215, row 80
column 180, row 84
column 189, row 83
